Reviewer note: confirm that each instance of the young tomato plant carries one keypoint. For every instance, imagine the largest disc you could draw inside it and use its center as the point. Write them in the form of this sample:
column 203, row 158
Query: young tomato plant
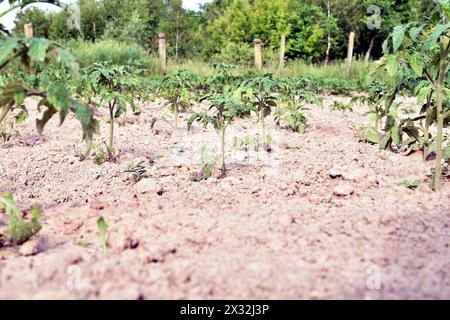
column 36, row 55
column 422, row 51
column 291, row 117
column 225, row 107
column 259, row 93
column 294, row 96
column 114, row 86
column 175, row 88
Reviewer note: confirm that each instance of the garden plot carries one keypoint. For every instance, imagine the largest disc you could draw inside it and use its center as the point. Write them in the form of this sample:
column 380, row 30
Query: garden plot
column 320, row 216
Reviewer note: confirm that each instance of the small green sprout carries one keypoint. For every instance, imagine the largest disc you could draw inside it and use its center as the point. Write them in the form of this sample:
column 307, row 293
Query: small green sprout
column 103, row 232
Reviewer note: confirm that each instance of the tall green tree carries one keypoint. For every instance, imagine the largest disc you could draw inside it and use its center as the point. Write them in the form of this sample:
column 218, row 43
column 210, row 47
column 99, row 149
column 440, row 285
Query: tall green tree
column 40, row 20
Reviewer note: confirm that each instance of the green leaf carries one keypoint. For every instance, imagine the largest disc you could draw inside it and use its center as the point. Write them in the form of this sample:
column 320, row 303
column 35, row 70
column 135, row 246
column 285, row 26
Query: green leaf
column 397, row 37
column 84, row 115
column 395, row 135
column 59, row 98
column 384, row 143
column 38, row 49
column 385, row 46
column 438, row 31
column 68, row 60
column 446, row 152
column 48, row 114
column 7, row 48
column 372, row 135
column 19, row 97
column 391, row 65
column 22, row 116
column 410, row 184
column 416, row 64
column 414, row 33
column 423, row 93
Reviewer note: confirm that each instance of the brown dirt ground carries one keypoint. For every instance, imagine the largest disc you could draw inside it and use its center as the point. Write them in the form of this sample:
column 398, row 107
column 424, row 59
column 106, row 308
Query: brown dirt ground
column 271, row 229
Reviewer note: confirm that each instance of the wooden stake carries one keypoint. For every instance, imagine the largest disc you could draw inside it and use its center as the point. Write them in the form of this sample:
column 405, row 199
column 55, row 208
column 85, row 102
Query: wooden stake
column 162, row 52
column 351, row 42
column 28, row 29
column 258, row 56
column 282, row 50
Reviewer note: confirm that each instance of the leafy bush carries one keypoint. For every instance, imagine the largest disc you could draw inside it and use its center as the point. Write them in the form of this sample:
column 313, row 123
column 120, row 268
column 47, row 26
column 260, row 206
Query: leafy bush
column 117, row 53
column 236, row 53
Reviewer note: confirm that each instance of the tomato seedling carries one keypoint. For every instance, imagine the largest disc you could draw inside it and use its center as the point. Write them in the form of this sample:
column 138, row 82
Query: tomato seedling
column 225, row 107
column 114, row 86
column 175, row 88
column 258, row 92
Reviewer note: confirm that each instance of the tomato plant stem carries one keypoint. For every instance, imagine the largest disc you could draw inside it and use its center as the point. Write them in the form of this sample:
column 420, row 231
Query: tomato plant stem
column 111, row 130
column 440, row 115
column 426, row 130
column 175, row 116
column 222, row 146
column 3, row 113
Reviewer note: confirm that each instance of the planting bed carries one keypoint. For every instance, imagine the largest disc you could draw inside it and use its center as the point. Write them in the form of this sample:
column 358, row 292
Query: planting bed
column 320, row 216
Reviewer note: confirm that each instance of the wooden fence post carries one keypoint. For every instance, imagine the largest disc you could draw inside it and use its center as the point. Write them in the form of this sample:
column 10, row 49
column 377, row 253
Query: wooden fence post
column 351, row 42
column 28, row 29
column 282, row 50
column 258, row 56
column 162, row 52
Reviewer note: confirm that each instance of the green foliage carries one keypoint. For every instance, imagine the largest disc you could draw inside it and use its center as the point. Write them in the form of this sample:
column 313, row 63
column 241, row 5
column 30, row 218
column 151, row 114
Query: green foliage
column 292, row 118
column 236, row 53
column 175, row 88
column 294, row 93
column 7, row 130
column 259, row 93
column 339, row 106
column 252, row 143
column 53, row 96
column 225, row 107
column 115, row 87
column 137, row 171
column 410, row 184
column 117, row 53
column 19, row 230
column 417, row 55
column 208, row 160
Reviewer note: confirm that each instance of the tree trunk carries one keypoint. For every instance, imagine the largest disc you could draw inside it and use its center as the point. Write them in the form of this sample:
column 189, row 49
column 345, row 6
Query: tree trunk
column 282, row 50
column 369, row 51
column 177, row 37
column 327, row 56
column 94, row 29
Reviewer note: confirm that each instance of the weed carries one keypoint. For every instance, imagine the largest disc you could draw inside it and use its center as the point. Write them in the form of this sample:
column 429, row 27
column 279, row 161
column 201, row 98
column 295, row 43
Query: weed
column 19, row 230
column 339, row 106
column 410, row 184
column 137, row 170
